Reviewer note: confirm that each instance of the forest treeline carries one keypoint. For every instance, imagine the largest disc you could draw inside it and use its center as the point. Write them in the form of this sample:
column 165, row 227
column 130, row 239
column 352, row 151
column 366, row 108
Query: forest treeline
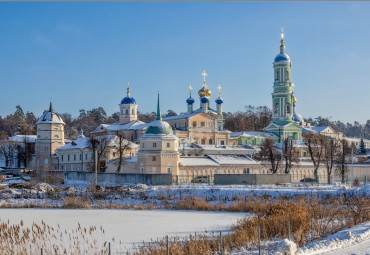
column 252, row 118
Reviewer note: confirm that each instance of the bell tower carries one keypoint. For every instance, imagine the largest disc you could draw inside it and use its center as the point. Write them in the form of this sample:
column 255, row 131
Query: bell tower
column 128, row 108
column 283, row 93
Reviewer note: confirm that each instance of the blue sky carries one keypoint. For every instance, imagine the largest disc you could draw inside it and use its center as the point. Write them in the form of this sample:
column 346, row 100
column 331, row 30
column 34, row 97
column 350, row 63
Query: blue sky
column 82, row 54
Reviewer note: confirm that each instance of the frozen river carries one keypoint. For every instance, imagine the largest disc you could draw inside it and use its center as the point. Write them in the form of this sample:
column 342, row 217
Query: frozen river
column 128, row 226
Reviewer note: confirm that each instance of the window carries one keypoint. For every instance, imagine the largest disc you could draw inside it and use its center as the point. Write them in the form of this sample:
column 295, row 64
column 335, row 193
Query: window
column 46, row 149
column 196, row 140
column 142, row 145
column 114, row 154
column 203, row 141
column 62, row 157
column 246, row 170
column 286, row 76
column 288, row 108
column 168, row 145
column 68, row 157
column 304, row 154
column 74, row 157
column 132, row 112
column 277, row 75
column 202, row 124
column 276, row 107
column 154, row 145
column 80, row 156
column 210, row 141
column 86, row 156
column 126, row 111
column 169, row 169
column 62, row 167
column 154, row 158
column 194, row 124
column 222, row 142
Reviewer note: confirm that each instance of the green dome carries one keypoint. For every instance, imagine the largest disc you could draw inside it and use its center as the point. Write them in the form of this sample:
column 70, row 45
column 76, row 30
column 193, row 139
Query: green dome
column 159, row 127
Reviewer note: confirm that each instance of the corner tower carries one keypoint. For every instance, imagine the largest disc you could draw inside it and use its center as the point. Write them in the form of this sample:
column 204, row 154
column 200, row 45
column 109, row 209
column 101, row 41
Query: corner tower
column 283, row 94
column 50, row 136
column 128, row 108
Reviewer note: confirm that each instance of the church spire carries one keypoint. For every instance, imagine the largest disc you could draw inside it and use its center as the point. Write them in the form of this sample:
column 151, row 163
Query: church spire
column 51, row 106
column 282, row 46
column 158, row 110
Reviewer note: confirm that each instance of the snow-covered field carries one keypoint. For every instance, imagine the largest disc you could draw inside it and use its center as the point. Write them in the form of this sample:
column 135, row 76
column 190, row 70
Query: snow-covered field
column 128, row 226
column 355, row 240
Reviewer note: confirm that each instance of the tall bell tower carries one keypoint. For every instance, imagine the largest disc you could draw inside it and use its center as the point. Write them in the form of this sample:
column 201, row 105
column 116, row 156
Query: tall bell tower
column 283, row 94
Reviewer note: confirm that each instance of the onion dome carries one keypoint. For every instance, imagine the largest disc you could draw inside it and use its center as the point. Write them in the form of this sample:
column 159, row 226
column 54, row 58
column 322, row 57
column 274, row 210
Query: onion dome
column 159, row 127
column 50, row 117
column 219, row 100
column 282, row 57
column 128, row 99
column 204, row 99
column 190, row 100
column 204, row 91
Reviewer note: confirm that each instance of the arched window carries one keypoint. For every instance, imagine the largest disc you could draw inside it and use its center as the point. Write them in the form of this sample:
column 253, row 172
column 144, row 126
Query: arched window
column 277, row 75
column 203, row 141
column 196, row 140
column 286, row 75
column 132, row 112
column 288, row 108
column 126, row 111
column 276, row 107
column 210, row 141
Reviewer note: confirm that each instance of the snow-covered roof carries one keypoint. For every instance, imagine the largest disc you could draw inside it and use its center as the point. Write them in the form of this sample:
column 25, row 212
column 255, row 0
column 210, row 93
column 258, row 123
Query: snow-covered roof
column 132, row 159
column 133, row 125
column 184, row 116
column 50, row 118
column 232, row 159
column 197, row 161
column 220, row 147
column 23, row 138
column 251, row 133
column 79, row 143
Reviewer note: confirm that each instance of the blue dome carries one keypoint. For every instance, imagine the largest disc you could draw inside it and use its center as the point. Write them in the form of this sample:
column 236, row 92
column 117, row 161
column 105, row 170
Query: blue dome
column 204, row 100
column 282, row 57
column 128, row 100
column 190, row 100
column 219, row 100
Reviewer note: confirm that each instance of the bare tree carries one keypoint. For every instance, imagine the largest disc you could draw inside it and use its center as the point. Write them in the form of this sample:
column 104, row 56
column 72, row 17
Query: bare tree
column 269, row 153
column 98, row 145
column 290, row 154
column 123, row 146
column 316, row 144
column 329, row 157
column 7, row 151
column 343, row 157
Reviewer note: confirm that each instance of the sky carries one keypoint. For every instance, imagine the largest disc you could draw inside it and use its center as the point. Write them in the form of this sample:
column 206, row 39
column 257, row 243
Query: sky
column 82, row 54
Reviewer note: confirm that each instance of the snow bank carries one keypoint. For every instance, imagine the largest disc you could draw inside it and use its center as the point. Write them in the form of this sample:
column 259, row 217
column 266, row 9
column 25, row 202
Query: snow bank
column 355, row 240
column 286, row 247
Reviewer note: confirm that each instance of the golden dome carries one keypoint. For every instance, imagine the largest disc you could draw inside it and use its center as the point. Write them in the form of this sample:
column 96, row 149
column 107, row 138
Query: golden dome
column 294, row 100
column 204, row 92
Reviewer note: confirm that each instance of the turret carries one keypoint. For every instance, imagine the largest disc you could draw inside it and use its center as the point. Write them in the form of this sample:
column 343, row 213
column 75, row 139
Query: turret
column 128, row 108
column 219, row 100
column 190, row 101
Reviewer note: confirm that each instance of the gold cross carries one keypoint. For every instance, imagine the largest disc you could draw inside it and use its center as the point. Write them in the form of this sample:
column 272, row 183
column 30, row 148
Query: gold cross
column 190, row 89
column 219, row 89
column 204, row 74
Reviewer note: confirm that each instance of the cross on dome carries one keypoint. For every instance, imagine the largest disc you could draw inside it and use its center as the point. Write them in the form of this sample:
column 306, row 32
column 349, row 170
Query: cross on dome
column 128, row 88
column 219, row 89
column 204, row 74
column 190, row 89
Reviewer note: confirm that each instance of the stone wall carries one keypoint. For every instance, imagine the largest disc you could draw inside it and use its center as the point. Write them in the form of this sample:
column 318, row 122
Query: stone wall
column 149, row 179
column 251, row 179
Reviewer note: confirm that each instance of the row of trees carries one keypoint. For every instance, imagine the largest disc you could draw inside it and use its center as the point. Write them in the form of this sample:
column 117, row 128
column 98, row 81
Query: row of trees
column 323, row 151
column 251, row 119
